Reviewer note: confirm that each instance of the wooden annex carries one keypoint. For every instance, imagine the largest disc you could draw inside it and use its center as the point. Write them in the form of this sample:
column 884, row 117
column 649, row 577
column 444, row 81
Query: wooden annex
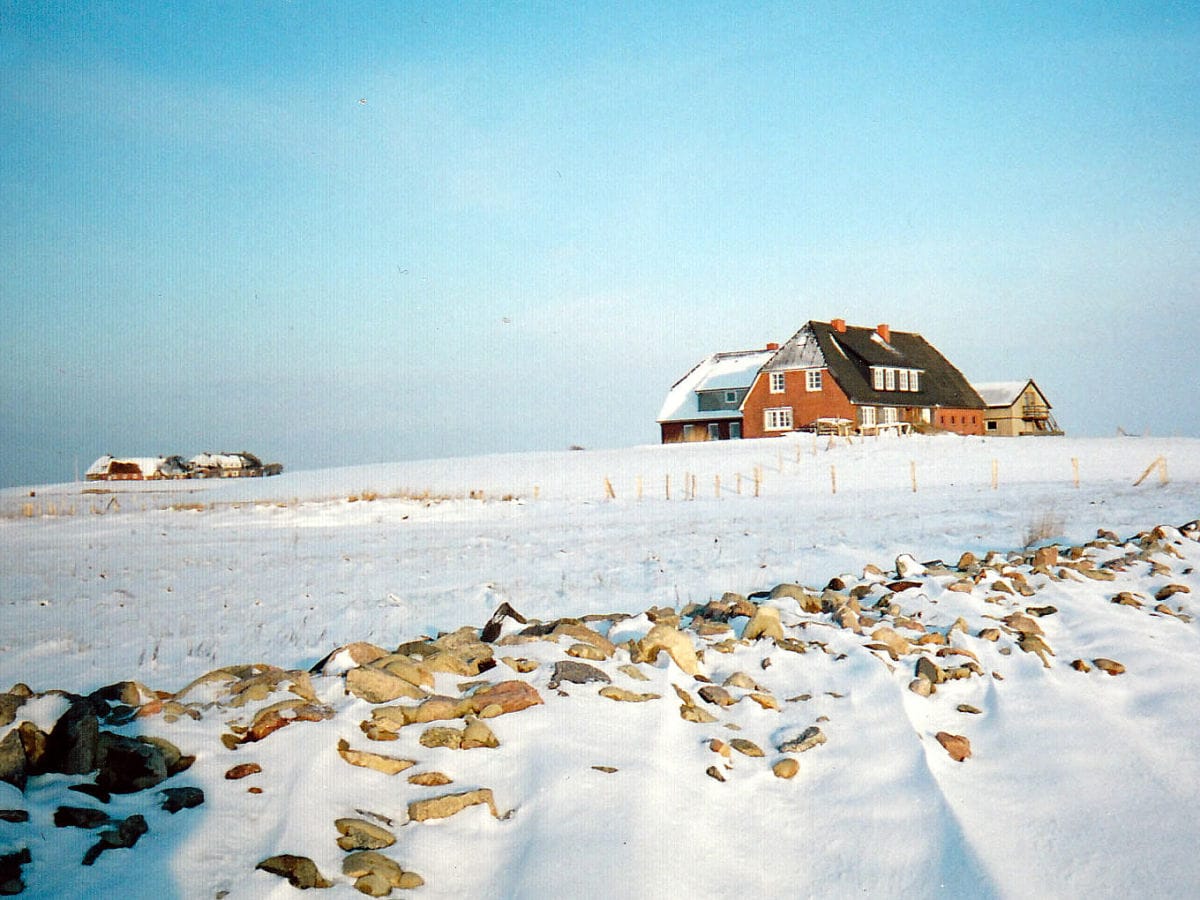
column 1016, row 409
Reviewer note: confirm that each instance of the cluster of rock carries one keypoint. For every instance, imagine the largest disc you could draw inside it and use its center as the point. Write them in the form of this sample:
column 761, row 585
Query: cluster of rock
column 438, row 696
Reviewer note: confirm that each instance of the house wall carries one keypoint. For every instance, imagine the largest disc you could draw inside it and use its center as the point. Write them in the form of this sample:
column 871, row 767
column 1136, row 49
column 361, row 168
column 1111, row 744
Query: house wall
column 830, row 401
column 679, row 432
column 960, row 421
column 1010, row 421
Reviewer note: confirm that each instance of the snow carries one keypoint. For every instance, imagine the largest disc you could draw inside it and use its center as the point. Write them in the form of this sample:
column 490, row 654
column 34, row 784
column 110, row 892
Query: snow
column 999, row 393
column 720, row 371
column 1079, row 784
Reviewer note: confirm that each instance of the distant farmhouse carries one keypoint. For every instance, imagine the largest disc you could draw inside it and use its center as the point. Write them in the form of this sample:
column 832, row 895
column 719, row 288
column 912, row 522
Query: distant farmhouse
column 828, row 378
column 1016, row 408
column 202, row 465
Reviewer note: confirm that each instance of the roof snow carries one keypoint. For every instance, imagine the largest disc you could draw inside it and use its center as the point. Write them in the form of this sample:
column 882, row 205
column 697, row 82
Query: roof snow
column 1000, row 393
column 719, row 371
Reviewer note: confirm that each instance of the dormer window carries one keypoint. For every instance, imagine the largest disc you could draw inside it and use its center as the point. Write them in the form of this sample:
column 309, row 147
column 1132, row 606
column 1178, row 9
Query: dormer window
column 731, row 396
column 888, row 379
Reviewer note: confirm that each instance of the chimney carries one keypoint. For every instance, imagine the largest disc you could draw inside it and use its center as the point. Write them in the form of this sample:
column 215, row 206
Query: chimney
column 839, row 325
column 772, row 346
column 884, row 332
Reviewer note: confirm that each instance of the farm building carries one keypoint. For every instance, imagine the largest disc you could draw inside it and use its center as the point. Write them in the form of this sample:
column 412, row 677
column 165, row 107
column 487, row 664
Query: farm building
column 828, row 377
column 1016, row 408
column 144, row 468
column 227, row 465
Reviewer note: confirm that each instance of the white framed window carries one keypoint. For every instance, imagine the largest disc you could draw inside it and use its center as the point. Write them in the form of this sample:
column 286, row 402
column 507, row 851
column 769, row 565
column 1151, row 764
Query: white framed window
column 777, row 419
column 777, row 383
column 866, row 415
column 902, row 380
column 914, row 381
column 890, row 415
column 714, row 431
column 812, row 379
column 877, row 378
column 889, row 379
column 731, row 396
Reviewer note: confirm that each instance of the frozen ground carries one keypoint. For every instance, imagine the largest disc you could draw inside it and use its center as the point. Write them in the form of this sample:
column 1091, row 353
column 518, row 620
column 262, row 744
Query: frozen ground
column 1078, row 784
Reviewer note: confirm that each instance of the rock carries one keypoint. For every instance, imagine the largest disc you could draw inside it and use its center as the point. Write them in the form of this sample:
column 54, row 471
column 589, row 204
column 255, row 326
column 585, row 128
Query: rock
column 177, row 798
column 810, row 737
column 1035, row 643
column 80, row 817
column 807, row 601
column 895, row 643
column 300, row 871
column 9, row 704
column 388, row 765
column 966, row 561
column 677, row 645
column 1041, row 611
column 441, row 736
column 922, row 687
column 1125, row 598
column 989, row 634
column 969, row 709
column 956, row 745
column 503, row 697
column 519, row 664
column 10, row 871
column 1044, row 557
column 478, row 734
column 633, row 672
column 576, row 673
column 1080, row 665
column 765, row 623
column 743, row 681
column 748, row 748
column 125, row 835
column 582, row 634
column 129, row 765
column 360, row 653
column 1171, row 590
column 450, row 804
column 766, row 701
column 716, row 695
column 786, row 768
column 71, row 744
column 244, row 770
column 430, row 779
column 928, row 669
column 714, row 772
column 13, row 763
column 380, row 686
column 359, row 834
column 15, row 816
column 612, row 692
column 1111, row 666
column 908, row 567
column 695, row 714
column 495, row 624
column 405, row 667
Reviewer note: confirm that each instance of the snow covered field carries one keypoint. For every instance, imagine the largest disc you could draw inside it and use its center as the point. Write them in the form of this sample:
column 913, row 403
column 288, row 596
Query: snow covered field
column 1078, row 783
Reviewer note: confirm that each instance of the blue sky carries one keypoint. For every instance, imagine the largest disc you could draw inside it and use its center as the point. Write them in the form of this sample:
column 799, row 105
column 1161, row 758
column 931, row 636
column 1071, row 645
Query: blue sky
column 341, row 233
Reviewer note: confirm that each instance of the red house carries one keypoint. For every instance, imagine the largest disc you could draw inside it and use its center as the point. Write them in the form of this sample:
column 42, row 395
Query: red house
column 828, row 376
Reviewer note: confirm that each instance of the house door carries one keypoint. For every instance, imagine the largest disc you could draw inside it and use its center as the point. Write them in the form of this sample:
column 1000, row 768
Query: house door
column 714, row 431
column 735, row 431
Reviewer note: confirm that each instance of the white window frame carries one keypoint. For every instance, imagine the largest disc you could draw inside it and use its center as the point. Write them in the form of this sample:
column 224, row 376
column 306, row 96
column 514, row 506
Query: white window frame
column 778, row 382
column 891, row 415
column 889, row 379
column 731, row 396
column 914, row 380
column 812, row 380
column 877, row 378
column 902, row 380
column 866, row 415
column 777, row 418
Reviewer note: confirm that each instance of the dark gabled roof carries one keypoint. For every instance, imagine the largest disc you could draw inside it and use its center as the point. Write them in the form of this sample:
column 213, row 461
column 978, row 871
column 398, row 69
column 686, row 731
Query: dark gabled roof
column 850, row 354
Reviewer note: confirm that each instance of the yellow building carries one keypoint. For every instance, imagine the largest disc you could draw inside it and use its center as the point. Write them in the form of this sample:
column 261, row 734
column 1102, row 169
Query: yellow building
column 1016, row 408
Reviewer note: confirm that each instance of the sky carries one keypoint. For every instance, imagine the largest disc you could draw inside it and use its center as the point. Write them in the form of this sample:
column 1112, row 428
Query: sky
column 356, row 232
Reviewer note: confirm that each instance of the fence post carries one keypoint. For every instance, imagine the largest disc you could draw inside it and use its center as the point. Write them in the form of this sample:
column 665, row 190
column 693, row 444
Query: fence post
column 639, row 488
column 757, row 479
column 1075, row 469
column 912, row 473
column 995, row 473
column 668, row 485
column 608, row 489
column 833, row 479
column 717, row 486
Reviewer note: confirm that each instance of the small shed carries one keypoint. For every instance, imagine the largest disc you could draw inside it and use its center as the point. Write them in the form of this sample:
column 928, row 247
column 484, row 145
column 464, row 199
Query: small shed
column 1016, row 409
column 225, row 465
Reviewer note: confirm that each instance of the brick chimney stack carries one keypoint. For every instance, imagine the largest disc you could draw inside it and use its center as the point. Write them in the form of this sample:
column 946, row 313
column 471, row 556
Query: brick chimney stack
column 839, row 325
column 884, row 332
column 772, row 346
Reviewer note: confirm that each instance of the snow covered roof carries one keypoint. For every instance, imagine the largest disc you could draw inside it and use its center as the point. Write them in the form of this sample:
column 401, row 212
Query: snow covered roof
column 999, row 393
column 225, row 460
column 719, row 371
column 147, row 465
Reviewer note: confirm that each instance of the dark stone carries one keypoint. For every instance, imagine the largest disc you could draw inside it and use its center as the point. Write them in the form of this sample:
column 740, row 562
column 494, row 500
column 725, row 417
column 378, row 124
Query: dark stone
column 1040, row 611
column 80, row 817
column 9, row 704
column 300, row 871
column 491, row 630
column 576, row 672
column 130, row 765
column 125, row 835
column 14, row 815
column 33, row 739
column 177, row 798
column 10, row 871
column 71, row 745
column 13, row 765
